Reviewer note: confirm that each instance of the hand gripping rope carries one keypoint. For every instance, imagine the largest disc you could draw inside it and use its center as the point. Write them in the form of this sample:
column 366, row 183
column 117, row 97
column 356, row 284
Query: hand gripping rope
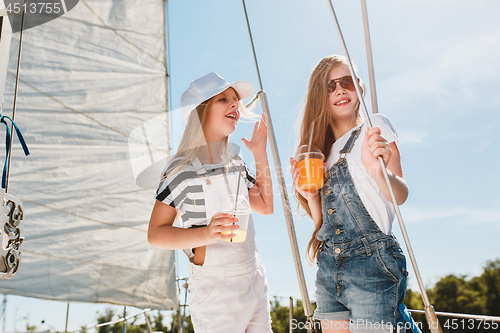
column 429, row 310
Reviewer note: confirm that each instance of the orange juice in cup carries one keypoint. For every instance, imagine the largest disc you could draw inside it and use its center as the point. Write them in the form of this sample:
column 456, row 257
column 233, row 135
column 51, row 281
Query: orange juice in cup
column 310, row 163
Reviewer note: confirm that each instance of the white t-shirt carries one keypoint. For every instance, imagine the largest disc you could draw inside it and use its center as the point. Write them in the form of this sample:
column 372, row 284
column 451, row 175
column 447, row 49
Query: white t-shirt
column 380, row 209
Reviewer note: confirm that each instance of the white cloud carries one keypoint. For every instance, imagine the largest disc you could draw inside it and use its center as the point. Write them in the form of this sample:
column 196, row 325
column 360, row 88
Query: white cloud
column 461, row 215
column 472, row 57
column 452, row 78
column 412, row 136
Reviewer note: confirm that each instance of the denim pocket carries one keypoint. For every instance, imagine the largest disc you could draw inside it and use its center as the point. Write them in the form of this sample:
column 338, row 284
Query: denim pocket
column 389, row 263
column 400, row 258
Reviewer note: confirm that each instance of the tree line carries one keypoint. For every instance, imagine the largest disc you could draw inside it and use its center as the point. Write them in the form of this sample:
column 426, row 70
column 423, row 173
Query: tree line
column 478, row 295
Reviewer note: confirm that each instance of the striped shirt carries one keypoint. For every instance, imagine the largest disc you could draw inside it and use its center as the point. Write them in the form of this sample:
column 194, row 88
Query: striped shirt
column 183, row 189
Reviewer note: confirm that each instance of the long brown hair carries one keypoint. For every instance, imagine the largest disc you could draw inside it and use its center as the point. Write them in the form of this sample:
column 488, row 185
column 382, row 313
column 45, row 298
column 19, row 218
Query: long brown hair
column 316, row 110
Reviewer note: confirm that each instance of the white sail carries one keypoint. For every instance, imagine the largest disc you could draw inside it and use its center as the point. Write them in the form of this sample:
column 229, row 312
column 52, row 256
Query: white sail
column 5, row 37
column 88, row 78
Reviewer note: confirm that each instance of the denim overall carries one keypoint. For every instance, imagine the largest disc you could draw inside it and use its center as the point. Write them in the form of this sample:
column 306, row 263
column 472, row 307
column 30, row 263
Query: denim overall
column 361, row 271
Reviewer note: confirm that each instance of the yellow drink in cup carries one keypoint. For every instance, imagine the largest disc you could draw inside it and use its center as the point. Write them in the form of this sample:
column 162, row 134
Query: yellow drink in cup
column 241, row 235
column 310, row 163
column 239, row 207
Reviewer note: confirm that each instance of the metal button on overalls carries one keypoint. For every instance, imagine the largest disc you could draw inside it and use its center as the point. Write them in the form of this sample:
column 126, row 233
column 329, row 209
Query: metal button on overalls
column 338, row 231
column 330, row 211
column 337, row 250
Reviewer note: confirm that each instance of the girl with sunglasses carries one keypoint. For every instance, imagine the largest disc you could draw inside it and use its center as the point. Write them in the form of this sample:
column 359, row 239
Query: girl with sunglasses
column 361, row 278
column 227, row 283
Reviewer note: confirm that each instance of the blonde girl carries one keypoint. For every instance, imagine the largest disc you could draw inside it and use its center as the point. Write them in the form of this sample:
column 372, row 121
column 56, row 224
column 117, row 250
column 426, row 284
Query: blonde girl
column 227, row 283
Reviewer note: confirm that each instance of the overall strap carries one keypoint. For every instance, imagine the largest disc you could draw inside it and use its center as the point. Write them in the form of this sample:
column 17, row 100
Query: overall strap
column 200, row 170
column 203, row 173
column 349, row 144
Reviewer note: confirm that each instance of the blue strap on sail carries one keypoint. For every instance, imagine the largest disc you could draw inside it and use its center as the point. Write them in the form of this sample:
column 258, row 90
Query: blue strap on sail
column 407, row 317
column 8, row 144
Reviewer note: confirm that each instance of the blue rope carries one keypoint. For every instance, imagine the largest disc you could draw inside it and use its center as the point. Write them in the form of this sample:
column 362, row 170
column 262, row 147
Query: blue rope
column 407, row 317
column 8, row 145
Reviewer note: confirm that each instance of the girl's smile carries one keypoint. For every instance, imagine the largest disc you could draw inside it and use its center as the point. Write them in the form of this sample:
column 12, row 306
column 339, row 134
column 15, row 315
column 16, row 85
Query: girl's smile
column 341, row 102
column 234, row 115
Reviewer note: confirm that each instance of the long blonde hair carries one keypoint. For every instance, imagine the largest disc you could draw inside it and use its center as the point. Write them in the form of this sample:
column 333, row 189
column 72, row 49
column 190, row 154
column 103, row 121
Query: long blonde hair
column 316, row 110
column 193, row 138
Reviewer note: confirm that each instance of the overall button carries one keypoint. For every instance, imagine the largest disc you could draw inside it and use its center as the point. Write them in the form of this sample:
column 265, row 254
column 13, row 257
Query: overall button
column 337, row 250
column 338, row 231
column 330, row 211
column 328, row 192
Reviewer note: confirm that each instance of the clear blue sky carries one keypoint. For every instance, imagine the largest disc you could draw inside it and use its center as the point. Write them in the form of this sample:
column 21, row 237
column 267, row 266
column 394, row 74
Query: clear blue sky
column 436, row 66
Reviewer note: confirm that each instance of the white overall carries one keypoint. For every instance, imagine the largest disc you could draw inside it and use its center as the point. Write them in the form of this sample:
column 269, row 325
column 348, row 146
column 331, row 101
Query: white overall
column 229, row 292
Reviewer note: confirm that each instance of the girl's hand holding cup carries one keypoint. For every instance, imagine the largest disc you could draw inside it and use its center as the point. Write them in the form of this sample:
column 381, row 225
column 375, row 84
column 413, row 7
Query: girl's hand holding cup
column 312, row 192
column 221, row 222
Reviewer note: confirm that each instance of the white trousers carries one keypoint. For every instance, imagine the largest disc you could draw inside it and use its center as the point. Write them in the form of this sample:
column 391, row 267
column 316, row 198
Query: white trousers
column 229, row 299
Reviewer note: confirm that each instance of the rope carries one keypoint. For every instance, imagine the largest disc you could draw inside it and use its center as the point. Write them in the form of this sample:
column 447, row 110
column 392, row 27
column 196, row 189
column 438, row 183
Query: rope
column 10, row 132
column 462, row 315
column 369, row 57
column 283, row 190
column 112, row 322
column 443, row 314
column 6, row 169
column 253, row 47
column 430, row 315
column 8, row 147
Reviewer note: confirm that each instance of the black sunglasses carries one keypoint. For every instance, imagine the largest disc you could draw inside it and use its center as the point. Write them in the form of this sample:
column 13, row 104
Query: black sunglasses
column 345, row 82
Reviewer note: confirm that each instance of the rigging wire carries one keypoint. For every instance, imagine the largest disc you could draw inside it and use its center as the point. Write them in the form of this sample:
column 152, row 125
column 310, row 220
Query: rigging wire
column 253, row 47
column 169, row 78
column 283, row 190
column 429, row 310
column 170, row 145
column 369, row 57
column 15, row 100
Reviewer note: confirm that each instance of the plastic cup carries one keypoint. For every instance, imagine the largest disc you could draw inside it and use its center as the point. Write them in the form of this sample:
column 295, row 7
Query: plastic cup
column 240, row 208
column 310, row 162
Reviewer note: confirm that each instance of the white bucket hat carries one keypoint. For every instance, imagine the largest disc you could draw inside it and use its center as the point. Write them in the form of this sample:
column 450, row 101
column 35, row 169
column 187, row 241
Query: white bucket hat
column 207, row 87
